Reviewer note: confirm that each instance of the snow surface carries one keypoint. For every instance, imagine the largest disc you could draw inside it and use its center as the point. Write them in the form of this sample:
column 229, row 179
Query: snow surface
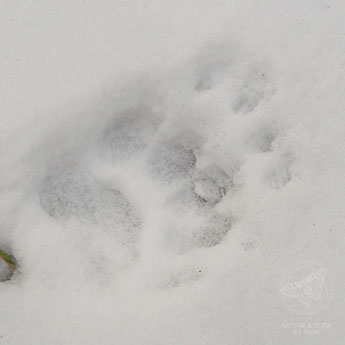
column 163, row 162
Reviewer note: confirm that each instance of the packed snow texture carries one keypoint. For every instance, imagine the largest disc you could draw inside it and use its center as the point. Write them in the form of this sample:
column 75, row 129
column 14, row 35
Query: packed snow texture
column 162, row 163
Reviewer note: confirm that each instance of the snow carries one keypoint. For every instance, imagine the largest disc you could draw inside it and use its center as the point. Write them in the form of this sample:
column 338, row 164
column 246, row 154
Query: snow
column 167, row 166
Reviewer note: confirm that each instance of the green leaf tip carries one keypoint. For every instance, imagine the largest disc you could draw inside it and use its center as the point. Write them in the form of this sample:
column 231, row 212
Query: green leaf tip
column 8, row 259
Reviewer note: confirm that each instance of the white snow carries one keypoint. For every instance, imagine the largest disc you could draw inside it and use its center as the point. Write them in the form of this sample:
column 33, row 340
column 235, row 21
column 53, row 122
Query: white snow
column 163, row 163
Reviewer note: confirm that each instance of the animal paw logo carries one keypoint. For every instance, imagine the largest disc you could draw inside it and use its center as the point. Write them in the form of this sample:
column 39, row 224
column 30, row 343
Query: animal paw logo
column 306, row 288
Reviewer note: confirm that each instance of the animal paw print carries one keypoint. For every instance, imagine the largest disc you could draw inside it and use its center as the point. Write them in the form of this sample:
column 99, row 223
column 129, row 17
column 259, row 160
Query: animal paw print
column 262, row 138
column 250, row 92
column 71, row 194
column 224, row 67
column 279, row 173
column 211, row 184
column 175, row 157
column 205, row 231
column 109, row 224
column 198, row 200
column 265, row 141
column 195, row 188
column 130, row 132
column 214, row 231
